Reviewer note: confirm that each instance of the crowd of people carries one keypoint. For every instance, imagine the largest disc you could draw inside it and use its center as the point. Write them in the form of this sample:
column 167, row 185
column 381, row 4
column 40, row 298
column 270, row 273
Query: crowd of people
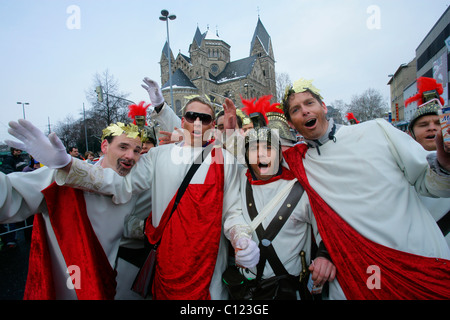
column 236, row 208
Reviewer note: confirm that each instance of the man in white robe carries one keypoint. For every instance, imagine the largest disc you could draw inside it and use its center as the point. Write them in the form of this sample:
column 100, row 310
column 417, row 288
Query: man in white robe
column 21, row 197
column 162, row 170
column 364, row 174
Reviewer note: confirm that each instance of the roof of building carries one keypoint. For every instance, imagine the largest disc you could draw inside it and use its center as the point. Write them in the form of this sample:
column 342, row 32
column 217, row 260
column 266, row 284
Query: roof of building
column 210, row 35
column 188, row 59
column 235, row 70
column 179, row 79
column 263, row 36
column 165, row 49
column 198, row 37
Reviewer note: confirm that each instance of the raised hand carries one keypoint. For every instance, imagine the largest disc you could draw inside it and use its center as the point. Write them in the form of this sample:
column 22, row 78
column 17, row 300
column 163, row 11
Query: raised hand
column 154, row 92
column 230, row 115
column 47, row 150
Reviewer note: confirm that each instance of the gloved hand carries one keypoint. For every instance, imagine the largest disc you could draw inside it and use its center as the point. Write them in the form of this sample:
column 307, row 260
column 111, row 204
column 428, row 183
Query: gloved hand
column 154, row 92
column 247, row 253
column 47, row 150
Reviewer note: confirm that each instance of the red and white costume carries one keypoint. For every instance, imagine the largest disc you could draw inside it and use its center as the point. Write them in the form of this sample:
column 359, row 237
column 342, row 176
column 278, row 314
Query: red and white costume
column 193, row 253
column 367, row 213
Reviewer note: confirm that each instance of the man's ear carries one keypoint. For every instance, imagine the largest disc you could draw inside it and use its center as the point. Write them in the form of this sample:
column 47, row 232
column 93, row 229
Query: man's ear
column 324, row 106
column 104, row 146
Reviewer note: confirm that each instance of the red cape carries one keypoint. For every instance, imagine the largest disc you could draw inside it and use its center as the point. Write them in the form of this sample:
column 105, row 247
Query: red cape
column 401, row 275
column 187, row 255
column 79, row 246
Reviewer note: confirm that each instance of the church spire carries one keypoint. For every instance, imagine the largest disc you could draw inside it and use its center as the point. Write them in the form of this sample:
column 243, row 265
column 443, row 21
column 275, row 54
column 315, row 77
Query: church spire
column 262, row 36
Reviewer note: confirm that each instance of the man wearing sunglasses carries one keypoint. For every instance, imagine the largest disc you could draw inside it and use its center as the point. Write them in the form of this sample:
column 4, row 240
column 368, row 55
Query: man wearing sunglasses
column 193, row 252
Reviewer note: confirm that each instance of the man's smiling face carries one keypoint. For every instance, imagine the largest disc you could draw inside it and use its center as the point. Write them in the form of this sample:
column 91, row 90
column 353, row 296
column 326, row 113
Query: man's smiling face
column 308, row 115
column 264, row 159
column 121, row 154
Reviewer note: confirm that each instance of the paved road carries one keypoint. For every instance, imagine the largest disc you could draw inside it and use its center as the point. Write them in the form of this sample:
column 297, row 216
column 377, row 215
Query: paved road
column 13, row 269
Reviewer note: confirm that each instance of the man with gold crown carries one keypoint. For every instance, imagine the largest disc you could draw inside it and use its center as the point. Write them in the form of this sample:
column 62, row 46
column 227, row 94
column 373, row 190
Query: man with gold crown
column 381, row 238
column 278, row 213
column 192, row 252
column 76, row 235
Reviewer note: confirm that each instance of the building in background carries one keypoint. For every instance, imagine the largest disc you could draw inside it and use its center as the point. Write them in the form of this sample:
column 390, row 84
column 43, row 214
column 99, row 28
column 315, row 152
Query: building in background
column 433, row 55
column 208, row 70
column 401, row 79
column 432, row 61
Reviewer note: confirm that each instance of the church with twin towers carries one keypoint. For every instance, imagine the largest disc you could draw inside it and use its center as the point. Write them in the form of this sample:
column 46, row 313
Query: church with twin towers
column 207, row 70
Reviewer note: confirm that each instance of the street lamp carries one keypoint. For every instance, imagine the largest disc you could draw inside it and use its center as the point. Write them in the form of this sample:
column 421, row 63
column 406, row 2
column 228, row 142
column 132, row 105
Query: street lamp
column 166, row 17
column 23, row 107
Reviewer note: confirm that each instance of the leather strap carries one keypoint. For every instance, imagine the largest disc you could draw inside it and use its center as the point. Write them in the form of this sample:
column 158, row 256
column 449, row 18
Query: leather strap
column 266, row 236
column 187, row 179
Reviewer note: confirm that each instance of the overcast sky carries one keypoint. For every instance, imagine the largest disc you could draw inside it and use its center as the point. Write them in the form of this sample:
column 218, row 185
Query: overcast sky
column 50, row 53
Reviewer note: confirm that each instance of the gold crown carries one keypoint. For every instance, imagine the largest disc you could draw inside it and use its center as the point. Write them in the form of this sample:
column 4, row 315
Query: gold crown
column 116, row 129
column 302, row 85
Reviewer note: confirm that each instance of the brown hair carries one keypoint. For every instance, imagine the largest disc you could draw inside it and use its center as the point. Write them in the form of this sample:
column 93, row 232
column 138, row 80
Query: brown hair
column 285, row 102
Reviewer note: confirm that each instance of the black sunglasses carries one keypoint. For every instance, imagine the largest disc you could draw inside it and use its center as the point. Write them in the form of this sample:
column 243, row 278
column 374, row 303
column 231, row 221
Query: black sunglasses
column 205, row 118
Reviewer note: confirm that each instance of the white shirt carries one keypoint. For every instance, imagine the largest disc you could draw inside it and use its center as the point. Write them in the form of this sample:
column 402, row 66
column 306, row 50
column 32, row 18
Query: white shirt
column 366, row 177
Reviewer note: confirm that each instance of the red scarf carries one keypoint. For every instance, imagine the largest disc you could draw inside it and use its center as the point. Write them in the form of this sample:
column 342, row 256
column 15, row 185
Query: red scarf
column 79, row 246
column 187, row 255
column 401, row 275
column 285, row 175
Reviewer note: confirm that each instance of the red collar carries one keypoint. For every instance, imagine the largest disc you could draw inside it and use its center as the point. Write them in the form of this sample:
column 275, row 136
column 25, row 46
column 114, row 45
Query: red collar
column 286, row 174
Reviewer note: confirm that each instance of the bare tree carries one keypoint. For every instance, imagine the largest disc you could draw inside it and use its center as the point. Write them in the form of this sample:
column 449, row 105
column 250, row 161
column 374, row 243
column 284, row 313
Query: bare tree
column 369, row 105
column 336, row 111
column 67, row 131
column 282, row 81
column 113, row 108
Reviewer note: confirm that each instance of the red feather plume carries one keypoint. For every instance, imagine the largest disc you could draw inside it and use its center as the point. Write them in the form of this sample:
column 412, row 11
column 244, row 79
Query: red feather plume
column 262, row 105
column 138, row 110
column 274, row 107
column 351, row 116
column 423, row 85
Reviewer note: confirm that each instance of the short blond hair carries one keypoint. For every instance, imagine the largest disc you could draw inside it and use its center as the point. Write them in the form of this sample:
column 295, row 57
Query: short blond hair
column 203, row 101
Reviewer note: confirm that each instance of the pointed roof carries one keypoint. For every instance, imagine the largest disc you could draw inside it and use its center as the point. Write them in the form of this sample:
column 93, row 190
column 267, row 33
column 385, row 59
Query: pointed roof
column 210, row 35
column 235, row 70
column 179, row 79
column 164, row 50
column 198, row 37
column 262, row 35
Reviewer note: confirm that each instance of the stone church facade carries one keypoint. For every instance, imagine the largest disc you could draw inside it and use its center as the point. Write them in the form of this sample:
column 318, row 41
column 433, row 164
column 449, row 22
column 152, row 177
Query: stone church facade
column 208, row 70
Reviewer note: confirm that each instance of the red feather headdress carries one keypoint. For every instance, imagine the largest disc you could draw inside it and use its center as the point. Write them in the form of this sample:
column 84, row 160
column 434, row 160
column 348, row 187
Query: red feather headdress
column 138, row 110
column 262, row 105
column 351, row 116
column 423, row 85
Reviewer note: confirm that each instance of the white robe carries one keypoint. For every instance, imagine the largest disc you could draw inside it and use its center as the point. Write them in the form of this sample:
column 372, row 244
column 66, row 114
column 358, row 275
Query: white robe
column 21, row 197
column 293, row 237
column 366, row 177
column 162, row 170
